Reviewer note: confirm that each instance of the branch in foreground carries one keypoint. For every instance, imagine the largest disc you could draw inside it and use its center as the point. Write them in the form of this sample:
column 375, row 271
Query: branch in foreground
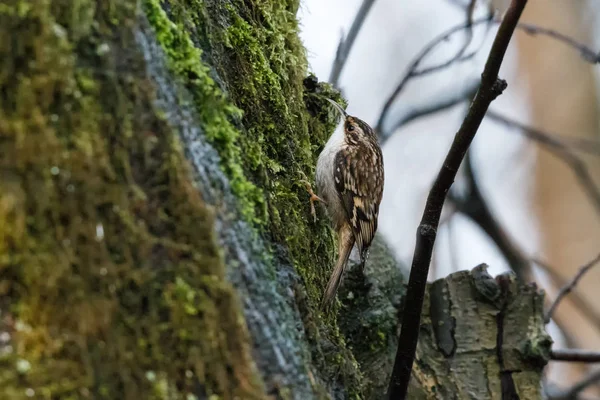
column 343, row 50
column 575, row 355
column 565, row 290
column 491, row 87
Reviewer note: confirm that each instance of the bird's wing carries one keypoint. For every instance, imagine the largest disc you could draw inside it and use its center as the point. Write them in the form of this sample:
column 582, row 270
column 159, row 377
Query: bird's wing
column 359, row 182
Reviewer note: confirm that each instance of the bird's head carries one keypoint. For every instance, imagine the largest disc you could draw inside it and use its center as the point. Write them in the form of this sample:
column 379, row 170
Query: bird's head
column 355, row 129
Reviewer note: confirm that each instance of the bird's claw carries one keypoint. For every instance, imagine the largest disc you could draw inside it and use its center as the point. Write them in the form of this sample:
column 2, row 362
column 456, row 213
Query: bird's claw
column 313, row 198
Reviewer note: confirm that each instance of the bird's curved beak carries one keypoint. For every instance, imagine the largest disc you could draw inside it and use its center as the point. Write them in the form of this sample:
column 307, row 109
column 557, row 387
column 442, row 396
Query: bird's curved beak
column 339, row 108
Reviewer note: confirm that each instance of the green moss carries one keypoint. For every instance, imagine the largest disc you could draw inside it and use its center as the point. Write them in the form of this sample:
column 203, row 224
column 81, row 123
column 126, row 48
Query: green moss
column 107, row 258
column 214, row 112
column 112, row 285
column 255, row 54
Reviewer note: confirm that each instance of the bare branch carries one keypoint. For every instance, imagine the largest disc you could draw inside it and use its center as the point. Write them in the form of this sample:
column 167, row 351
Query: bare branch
column 443, row 102
column 345, row 46
column 551, row 140
column 551, row 143
column 587, row 54
column 580, row 303
column 573, row 392
column 471, row 11
column 416, row 62
column 575, row 355
column 491, row 87
column 565, row 290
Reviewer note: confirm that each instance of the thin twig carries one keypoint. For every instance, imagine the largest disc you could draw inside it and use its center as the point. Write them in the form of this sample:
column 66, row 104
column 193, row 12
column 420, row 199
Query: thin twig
column 412, row 70
column 554, row 145
column 565, row 290
column 575, row 355
column 474, row 206
column 346, row 44
column 441, row 103
column 580, row 303
column 582, row 144
column 587, row 54
column 471, row 11
column 491, row 87
column 573, row 392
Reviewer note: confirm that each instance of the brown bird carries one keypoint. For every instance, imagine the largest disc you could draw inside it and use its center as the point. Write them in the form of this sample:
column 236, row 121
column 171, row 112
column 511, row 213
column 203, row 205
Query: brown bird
column 349, row 178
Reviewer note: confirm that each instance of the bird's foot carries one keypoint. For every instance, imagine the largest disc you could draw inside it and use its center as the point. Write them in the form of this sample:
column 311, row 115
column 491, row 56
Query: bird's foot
column 313, row 198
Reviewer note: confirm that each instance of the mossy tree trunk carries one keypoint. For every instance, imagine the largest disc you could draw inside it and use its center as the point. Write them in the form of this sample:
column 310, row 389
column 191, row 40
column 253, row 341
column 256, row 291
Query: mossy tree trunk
column 155, row 239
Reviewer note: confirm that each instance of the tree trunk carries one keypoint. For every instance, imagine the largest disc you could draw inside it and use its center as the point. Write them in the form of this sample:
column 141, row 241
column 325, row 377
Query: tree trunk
column 156, row 241
column 564, row 102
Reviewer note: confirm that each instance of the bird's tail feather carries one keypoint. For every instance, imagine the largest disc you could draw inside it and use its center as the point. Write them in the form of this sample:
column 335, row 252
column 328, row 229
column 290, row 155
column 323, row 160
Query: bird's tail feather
column 345, row 244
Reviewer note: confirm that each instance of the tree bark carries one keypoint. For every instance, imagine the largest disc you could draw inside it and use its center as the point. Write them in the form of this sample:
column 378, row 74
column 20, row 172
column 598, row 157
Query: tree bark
column 481, row 338
column 155, row 241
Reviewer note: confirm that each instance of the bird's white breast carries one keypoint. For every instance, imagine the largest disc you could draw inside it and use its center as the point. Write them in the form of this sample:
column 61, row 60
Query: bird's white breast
column 325, row 177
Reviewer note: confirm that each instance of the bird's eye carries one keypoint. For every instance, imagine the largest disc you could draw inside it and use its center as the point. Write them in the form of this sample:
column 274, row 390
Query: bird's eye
column 350, row 128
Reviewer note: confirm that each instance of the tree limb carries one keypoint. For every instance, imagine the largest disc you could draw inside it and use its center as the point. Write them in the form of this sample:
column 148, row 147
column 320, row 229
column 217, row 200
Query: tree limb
column 575, row 355
column 491, row 87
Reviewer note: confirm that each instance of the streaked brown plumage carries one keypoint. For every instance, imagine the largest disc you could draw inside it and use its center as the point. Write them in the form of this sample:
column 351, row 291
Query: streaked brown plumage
column 350, row 181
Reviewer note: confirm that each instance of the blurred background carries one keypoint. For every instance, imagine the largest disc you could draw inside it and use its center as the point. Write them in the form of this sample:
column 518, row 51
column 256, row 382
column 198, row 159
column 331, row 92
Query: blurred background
column 530, row 201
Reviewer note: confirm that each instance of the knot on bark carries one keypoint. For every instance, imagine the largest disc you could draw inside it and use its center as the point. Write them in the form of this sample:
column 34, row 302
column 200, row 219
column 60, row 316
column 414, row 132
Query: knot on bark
column 498, row 87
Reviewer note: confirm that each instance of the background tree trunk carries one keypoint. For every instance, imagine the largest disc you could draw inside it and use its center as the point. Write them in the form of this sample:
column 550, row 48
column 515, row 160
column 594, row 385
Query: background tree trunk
column 563, row 97
column 155, row 240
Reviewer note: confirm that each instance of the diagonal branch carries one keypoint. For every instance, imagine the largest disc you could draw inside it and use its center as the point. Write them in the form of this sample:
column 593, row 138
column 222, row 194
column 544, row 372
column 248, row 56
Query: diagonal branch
column 413, row 71
column 580, row 303
column 491, row 87
column 587, row 54
column 474, row 206
column 565, row 153
column 565, row 290
column 573, row 392
column 343, row 50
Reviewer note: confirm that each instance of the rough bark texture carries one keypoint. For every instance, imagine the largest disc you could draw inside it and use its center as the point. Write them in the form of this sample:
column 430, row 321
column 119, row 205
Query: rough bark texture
column 155, row 240
column 481, row 338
